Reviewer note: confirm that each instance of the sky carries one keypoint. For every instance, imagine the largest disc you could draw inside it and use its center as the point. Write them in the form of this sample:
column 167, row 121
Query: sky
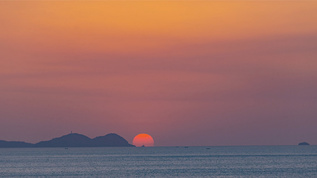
column 188, row 73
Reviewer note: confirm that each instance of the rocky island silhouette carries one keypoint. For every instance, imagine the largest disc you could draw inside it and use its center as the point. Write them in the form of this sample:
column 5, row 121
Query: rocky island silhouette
column 303, row 143
column 73, row 140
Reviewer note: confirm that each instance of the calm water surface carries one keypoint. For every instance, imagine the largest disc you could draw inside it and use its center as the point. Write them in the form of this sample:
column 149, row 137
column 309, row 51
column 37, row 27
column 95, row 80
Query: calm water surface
column 231, row 161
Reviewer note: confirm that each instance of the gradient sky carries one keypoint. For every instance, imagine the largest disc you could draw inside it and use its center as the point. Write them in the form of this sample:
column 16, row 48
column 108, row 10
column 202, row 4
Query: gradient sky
column 185, row 72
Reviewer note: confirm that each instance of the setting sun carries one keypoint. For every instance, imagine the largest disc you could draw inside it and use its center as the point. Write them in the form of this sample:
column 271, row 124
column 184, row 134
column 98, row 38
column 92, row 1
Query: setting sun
column 143, row 140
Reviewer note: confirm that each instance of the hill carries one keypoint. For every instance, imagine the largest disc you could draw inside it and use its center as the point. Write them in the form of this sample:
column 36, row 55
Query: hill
column 70, row 140
column 14, row 144
column 73, row 140
column 111, row 140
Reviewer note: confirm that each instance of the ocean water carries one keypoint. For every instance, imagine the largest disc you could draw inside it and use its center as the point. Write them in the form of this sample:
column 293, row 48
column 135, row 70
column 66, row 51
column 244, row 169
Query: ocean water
column 228, row 161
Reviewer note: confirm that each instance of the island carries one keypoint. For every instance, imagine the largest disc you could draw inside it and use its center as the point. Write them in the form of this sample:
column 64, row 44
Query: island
column 73, row 140
column 303, row 143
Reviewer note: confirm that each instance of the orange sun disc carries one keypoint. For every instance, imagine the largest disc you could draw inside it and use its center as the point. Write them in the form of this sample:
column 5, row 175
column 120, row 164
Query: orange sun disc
column 143, row 140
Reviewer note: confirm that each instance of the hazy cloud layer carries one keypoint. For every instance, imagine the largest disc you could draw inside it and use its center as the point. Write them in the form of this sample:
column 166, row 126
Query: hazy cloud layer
column 183, row 89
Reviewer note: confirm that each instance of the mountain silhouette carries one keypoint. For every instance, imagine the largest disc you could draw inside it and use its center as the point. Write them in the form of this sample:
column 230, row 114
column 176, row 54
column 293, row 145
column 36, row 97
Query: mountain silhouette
column 70, row 140
column 111, row 139
column 73, row 140
column 13, row 144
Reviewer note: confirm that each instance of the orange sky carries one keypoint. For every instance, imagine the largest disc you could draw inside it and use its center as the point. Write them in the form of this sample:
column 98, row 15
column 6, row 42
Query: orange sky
column 185, row 72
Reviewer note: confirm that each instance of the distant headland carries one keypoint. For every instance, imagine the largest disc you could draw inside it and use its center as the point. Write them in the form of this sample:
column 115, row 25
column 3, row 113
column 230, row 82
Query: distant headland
column 73, row 140
column 303, row 143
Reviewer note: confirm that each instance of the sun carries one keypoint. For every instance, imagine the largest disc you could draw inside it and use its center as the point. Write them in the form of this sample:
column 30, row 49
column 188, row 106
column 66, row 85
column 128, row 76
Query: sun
column 143, row 140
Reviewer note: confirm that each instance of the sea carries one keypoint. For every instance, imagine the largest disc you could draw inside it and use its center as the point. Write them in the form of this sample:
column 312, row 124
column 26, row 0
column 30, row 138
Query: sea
column 214, row 161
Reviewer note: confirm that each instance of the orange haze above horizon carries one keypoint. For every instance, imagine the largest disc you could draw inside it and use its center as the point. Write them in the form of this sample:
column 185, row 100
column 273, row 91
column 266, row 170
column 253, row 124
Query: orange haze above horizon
column 228, row 73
